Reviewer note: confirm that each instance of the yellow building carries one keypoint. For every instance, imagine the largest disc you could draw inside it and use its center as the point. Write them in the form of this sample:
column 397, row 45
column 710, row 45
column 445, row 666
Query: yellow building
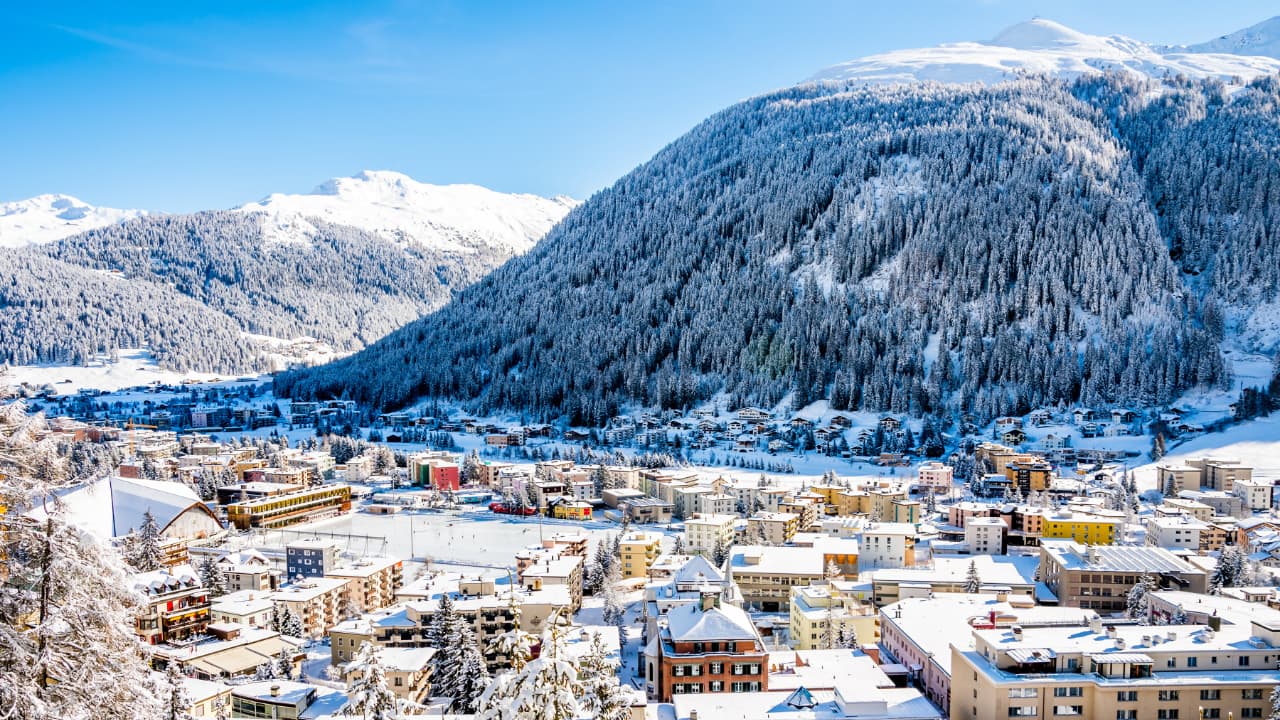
column 775, row 528
column 639, row 550
column 817, row 606
column 280, row 510
column 1084, row 529
column 571, row 510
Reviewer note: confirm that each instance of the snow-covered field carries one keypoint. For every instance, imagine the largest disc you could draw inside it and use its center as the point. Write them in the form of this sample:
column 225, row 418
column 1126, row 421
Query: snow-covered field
column 1255, row 443
column 134, row 367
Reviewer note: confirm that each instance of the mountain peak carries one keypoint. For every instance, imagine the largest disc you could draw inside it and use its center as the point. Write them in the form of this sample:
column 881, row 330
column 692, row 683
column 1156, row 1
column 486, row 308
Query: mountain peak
column 49, row 217
column 1039, row 34
column 1044, row 47
column 458, row 218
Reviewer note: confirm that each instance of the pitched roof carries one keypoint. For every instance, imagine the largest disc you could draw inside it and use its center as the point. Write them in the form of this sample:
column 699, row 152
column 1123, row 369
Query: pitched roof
column 113, row 506
column 698, row 569
column 690, row 623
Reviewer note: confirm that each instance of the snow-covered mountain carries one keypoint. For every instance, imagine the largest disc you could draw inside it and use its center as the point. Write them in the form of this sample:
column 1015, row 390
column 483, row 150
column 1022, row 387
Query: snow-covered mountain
column 45, row 218
column 1043, row 46
column 454, row 218
column 1260, row 39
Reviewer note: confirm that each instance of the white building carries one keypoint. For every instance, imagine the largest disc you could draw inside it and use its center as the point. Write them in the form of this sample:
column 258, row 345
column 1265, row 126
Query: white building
column 1257, row 494
column 702, row 532
column 1175, row 532
column 887, row 545
column 985, row 535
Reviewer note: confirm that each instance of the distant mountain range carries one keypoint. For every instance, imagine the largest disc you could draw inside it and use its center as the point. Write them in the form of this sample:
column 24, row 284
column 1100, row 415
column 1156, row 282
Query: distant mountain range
column 345, row 264
column 45, row 218
column 1092, row 221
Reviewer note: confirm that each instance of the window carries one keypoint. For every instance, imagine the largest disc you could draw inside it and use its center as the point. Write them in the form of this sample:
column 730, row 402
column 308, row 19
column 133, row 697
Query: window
column 1167, row 714
column 716, row 668
column 1127, row 696
column 1244, row 660
column 1193, row 661
column 1254, row 712
column 1171, row 662
column 1168, row 695
column 1211, row 713
column 399, row 682
column 1126, row 715
column 1024, row 711
column 1068, row 709
column 717, row 686
column 1026, row 692
column 686, row 688
column 1068, row 692
column 1251, row 694
column 1210, row 694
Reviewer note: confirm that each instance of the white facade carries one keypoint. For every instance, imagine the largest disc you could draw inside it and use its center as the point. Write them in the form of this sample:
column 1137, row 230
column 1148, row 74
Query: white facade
column 1175, row 532
column 985, row 535
column 886, row 545
column 702, row 532
column 935, row 476
column 1255, row 493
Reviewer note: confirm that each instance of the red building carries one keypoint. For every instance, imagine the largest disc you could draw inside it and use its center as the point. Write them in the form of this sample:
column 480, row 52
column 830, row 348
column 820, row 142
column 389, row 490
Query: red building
column 706, row 648
column 445, row 476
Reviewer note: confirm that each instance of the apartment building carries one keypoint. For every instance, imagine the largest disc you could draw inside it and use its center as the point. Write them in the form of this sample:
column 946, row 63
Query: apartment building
column 1172, row 479
column 986, row 535
column 887, row 545
column 245, row 607
column 316, row 601
column 639, row 550
column 1177, row 532
column 1221, row 474
column 248, row 570
column 1117, row 671
column 310, row 557
column 703, row 532
column 935, row 477
column 407, row 671
column 372, row 583
column 919, row 632
column 177, row 605
column 1256, row 494
column 775, row 528
column 1100, row 577
column 1086, row 528
column 822, row 610
column 1008, row 573
column 765, row 575
column 556, row 571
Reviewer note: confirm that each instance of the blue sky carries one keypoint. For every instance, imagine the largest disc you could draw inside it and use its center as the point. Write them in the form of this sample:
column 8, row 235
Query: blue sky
column 179, row 106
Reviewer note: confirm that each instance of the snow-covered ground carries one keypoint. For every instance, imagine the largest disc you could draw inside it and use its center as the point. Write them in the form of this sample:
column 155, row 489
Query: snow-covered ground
column 133, row 367
column 1042, row 46
column 1255, row 443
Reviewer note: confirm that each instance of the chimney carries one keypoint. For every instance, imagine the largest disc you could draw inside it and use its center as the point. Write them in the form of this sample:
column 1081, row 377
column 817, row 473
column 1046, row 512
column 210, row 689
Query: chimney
column 1017, row 632
column 1119, row 643
column 1095, row 624
column 709, row 600
column 1171, row 636
column 1002, row 595
column 1111, row 631
column 693, row 714
column 275, row 691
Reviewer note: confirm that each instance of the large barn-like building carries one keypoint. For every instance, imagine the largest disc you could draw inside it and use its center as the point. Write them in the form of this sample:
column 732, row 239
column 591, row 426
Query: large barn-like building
column 114, row 506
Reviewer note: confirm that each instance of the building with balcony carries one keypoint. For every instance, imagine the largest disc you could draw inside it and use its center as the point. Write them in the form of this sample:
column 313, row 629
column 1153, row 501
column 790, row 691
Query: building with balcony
column 407, row 670
column 639, row 550
column 822, row 611
column 765, row 575
column 773, row 528
column 317, row 602
column 1118, row 671
column 372, row 583
column 702, row 533
column 310, row 557
column 295, row 507
column 177, row 605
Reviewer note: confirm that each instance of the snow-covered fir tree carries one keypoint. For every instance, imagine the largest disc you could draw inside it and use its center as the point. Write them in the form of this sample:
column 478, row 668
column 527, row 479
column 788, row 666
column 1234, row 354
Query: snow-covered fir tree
column 473, row 675
column 1138, row 601
column 972, row 582
column 211, row 576
column 1229, row 570
column 368, row 696
column 546, row 688
column 602, row 697
column 177, row 701
column 67, row 650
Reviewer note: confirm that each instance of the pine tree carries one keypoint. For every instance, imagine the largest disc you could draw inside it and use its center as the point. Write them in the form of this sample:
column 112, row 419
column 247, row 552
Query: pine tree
column 972, row 583
column 368, row 696
column 66, row 607
column 546, row 688
column 284, row 663
column 1137, row 605
column 473, row 675
column 848, row 638
column 614, row 610
column 1275, row 703
column 720, row 552
column 177, row 702
column 211, row 576
column 602, row 697
column 1229, row 571
column 285, row 622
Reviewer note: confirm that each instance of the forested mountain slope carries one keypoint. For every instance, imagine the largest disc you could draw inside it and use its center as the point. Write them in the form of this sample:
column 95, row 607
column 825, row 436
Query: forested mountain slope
column 192, row 286
column 911, row 248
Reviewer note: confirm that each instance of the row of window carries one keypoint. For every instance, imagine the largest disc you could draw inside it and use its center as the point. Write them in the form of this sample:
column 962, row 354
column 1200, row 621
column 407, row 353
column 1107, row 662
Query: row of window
column 714, row 686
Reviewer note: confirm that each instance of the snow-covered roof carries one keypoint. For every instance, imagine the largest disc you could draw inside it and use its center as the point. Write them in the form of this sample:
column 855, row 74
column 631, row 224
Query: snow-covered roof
column 113, row 506
column 690, row 623
column 697, row 570
column 166, row 580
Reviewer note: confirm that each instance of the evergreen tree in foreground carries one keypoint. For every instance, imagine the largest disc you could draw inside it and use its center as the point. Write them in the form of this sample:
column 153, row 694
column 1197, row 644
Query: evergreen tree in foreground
column 67, row 650
column 972, row 583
